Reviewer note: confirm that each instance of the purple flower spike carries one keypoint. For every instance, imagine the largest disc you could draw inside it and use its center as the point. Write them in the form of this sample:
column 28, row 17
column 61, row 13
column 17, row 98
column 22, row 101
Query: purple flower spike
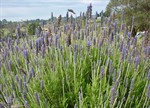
column 26, row 104
column 37, row 43
column 126, row 83
column 88, row 46
column 56, row 41
column 10, row 65
column 137, row 61
column 148, row 75
column 102, row 72
column 131, row 85
column 37, row 97
column 94, row 41
column 82, row 35
column 25, row 54
column 121, row 46
column 111, row 38
column 115, row 27
column 112, row 98
column 47, row 35
column 110, row 67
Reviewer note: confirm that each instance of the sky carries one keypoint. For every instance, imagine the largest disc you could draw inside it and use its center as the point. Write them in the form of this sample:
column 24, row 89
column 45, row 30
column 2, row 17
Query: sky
column 17, row 10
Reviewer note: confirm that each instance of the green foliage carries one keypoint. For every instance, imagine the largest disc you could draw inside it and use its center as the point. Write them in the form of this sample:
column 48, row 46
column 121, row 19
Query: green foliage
column 140, row 9
column 31, row 28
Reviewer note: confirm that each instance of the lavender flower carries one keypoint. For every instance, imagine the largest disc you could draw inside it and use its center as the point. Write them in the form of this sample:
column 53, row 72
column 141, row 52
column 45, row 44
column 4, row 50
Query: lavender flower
column 114, row 77
column 110, row 67
column 79, row 35
column 99, row 44
column 17, row 48
column 47, row 35
column 112, row 98
column 121, row 46
column 88, row 46
column 115, row 27
column 25, row 54
column 118, row 38
column 134, row 42
column 31, row 74
column 148, row 75
column 111, row 38
column 109, row 30
column 37, row 97
column 148, row 92
column 102, row 72
column 2, row 106
column 26, row 104
column 137, row 61
column 50, row 40
column 128, row 41
column 94, row 41
column 131, row 85
column 74, row 35
column 56, row 41
column 147, row 51
column 37, row 46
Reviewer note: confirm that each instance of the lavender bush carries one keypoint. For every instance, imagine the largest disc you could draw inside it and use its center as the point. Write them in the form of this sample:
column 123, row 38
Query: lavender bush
column 103, row 68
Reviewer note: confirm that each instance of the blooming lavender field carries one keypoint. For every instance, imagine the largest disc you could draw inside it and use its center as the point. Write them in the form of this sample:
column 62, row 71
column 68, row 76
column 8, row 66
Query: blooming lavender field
column 80, row 65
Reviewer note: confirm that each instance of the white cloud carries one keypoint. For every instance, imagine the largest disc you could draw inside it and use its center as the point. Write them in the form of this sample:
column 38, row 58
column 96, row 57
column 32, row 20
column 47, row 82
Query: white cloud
column 32, row 9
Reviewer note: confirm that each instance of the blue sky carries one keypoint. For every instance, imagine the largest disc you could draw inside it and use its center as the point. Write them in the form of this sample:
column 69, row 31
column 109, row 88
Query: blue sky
column 33, row 9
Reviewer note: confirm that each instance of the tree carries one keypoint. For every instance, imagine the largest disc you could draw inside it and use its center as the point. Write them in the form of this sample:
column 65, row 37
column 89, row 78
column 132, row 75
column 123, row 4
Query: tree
column 0, row 24
column 140, row 9
column 4, row 21
column 31, row 28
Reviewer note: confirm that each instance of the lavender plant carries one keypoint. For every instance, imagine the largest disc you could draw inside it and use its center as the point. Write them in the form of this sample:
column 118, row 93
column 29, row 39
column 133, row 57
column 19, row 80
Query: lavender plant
column 95, row 68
